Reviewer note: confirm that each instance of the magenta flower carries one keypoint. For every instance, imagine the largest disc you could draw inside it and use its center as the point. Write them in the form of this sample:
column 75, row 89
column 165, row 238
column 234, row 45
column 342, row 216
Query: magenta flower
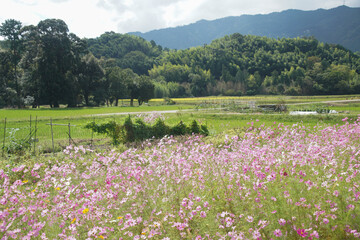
column 301, row 232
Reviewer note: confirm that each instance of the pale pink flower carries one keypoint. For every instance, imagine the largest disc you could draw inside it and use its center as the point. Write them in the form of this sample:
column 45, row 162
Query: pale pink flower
column 278, row 233
column 282, row 221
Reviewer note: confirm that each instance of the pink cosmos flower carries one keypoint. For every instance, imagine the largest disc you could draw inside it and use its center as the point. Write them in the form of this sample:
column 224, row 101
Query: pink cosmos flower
column 249, row 219
column 282, row 221
column 350, row 206
column 314, row 234
column 301, row 232
column 278, row 233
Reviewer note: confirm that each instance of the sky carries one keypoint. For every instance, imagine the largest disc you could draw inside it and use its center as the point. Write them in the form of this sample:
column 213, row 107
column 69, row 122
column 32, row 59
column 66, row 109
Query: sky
column 91, row 18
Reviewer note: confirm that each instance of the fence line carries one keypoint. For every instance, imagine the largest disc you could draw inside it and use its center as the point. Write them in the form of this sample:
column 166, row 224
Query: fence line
column 34, row 135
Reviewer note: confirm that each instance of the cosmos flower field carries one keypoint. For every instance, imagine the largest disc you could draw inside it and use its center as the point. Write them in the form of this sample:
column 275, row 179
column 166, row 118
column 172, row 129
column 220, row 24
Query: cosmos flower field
column 276, row 182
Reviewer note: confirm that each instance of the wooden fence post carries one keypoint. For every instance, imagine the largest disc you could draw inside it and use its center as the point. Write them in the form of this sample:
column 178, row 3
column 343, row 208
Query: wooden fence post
column 52, row 135
column 3, row 148
column 92, row 133
column 69, row 135
column 30, row 127
column 35, row 136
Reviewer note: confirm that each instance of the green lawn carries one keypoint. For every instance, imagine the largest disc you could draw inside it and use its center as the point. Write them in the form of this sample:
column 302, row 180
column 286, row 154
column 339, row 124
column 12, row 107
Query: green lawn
column 65, row 113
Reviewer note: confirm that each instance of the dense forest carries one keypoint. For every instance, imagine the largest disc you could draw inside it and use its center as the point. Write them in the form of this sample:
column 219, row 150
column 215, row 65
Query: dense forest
column 47, row 65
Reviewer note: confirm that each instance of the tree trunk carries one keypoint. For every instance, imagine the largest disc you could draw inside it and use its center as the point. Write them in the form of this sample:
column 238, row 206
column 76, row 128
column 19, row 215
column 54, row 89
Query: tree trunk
column 86, row 99
column 131, row 102
column 116, row 102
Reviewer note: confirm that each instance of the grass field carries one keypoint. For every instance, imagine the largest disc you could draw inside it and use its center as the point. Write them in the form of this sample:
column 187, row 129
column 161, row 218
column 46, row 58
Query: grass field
column 218, row 113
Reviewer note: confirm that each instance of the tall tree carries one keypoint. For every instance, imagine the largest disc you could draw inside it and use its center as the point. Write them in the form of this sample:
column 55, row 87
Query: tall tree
column 55, row 60
column 11, row 31
column 30, row 62
column 90, row 75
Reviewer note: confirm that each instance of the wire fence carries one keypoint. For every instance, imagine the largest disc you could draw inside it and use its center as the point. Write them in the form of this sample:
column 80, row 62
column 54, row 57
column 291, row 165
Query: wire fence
column 43, row 135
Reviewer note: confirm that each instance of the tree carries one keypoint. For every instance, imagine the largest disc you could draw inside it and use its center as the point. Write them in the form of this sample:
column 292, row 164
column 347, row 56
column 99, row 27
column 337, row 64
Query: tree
column 137, row 61
column 5, row 75
column 51, row 62
column 11, row 31
column 30, row 63
column 133, row 88
column 55, row 60
column 90, row 75
column 119, row 81
column 198, row 85
column 146, row 89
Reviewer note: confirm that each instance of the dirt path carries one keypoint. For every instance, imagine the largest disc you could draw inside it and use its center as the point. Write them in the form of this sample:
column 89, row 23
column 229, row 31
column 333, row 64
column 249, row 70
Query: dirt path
column 159, row 112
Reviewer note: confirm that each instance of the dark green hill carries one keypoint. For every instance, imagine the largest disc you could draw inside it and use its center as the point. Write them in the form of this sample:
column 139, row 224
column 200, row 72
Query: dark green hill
column 340, row 25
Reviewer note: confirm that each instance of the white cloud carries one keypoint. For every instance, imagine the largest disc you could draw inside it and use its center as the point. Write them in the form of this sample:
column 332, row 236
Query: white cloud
column 90, row 18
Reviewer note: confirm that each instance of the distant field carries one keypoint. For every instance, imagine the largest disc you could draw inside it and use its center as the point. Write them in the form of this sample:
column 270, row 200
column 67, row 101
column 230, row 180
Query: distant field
column 181, row 104
column 64, row 113
column 220, row 114
column 262, row 99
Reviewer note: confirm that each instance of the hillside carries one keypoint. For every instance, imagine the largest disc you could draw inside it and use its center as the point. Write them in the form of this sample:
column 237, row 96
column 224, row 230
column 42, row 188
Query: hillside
column 339, row 26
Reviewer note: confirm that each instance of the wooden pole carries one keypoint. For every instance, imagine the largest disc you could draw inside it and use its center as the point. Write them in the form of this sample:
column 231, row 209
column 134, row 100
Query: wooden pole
column 35, row 136
column 69, row 135
column 30, row 127
column 52, row 135
column 92, row 133
column 3, row 148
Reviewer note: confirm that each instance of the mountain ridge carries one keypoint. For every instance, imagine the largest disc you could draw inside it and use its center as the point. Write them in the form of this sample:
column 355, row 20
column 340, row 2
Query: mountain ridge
column 336, row 26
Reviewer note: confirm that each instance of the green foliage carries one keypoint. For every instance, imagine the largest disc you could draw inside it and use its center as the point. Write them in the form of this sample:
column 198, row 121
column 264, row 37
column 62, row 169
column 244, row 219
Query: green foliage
column 249, row 65
column 128, row 51
column 17, row 146
column 138, row 131
column 169, row 101
column 179, row 129
column 159, row 129
column 194, row 127
column 111, row 129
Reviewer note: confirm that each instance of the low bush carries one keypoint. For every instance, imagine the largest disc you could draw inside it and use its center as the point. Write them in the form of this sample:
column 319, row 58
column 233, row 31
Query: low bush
column 139, row 130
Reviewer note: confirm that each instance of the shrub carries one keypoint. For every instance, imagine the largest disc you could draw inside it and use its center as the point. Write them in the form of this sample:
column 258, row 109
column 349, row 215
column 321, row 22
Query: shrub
column 139, row 131
column 179, row 129
column 159, row 129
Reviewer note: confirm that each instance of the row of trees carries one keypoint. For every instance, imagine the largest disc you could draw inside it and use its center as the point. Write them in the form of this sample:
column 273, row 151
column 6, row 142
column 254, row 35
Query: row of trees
column 45, row 64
